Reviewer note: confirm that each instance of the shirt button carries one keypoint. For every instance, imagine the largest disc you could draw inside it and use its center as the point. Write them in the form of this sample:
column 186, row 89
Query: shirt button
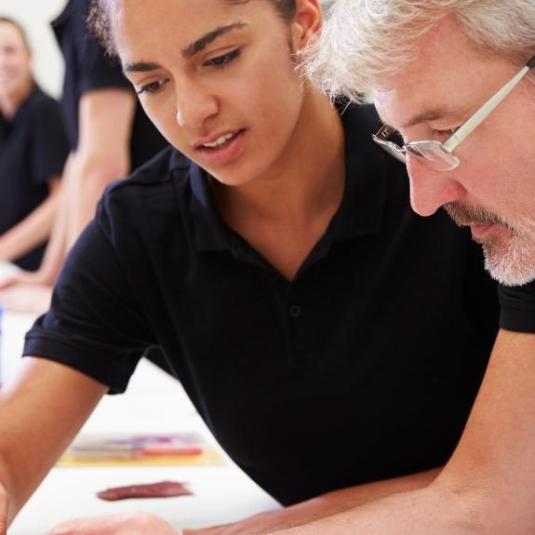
column 295, row 311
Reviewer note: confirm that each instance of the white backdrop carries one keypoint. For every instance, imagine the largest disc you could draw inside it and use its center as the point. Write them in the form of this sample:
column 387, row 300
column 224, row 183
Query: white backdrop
column 35, row 16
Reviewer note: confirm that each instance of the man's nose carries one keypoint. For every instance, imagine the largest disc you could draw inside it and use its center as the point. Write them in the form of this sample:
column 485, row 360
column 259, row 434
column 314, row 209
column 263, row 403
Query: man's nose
column 429, row 189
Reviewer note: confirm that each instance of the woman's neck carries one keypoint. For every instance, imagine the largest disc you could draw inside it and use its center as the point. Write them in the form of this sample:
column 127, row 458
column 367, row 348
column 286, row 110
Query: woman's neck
column 307, row 179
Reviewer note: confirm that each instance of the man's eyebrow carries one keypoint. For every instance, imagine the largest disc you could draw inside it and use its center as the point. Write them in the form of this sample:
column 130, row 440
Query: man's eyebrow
column 201, row 43
column 430, row 115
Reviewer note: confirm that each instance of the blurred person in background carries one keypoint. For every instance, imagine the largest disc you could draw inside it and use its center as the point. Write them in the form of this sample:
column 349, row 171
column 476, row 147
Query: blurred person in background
column 109, row 135
column 33, row 151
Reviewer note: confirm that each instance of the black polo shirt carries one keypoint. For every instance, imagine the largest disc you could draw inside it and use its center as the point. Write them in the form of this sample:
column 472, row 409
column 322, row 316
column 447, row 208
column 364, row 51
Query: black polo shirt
column 518, row 308
column 88, row 68
column 33, row 149
column 362, row 368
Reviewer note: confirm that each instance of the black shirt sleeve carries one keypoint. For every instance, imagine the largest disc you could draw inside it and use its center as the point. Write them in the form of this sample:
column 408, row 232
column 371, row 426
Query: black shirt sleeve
column 97, row 69
column 95, row 324
column 50, row 146
column 518, row 308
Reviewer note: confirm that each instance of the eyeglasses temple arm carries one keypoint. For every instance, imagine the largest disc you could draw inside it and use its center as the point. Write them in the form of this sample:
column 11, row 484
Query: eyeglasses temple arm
column 480, row 115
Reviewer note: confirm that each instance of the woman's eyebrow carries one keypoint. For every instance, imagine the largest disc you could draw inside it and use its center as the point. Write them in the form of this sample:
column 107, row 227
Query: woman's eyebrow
column 141, row 66
column 194, row 48
column 200, row 44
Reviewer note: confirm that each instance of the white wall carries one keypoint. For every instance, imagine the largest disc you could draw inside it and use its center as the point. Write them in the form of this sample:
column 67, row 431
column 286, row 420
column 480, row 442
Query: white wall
column 35, row 16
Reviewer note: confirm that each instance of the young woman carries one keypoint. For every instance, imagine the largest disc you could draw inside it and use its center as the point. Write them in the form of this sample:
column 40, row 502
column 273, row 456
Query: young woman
column 33, row 150
column 273, row 256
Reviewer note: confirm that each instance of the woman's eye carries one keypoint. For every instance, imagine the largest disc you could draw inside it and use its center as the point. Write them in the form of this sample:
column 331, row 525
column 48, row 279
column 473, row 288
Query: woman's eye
column 152, row 87
column 222, row 61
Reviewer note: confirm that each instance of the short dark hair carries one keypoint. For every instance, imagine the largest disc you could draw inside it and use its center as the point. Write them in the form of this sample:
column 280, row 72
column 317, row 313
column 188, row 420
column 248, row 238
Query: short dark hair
column 18, row 26
column 99, row 22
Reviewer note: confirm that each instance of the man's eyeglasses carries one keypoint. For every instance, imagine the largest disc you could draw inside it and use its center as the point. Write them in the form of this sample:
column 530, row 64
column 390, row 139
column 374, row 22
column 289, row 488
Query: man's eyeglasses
column 439, row 156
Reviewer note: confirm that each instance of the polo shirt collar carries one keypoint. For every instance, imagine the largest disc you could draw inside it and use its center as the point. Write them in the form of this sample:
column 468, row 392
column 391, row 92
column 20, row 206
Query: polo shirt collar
column 362, row 208
column 211, row 232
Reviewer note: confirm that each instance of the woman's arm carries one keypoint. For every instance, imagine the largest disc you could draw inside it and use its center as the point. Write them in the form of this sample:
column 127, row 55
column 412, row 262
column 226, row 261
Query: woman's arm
column 34, row 229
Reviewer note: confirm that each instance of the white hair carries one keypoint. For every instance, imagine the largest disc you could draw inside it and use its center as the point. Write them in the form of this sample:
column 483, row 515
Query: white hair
column 366, row 42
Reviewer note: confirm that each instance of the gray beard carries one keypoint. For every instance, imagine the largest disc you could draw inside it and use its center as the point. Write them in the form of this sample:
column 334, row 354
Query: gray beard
column 511, row 259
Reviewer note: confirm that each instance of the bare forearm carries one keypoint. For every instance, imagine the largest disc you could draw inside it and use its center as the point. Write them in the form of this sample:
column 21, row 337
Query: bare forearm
column 41, row 410
column 31, row 231
column 321, row 507
column 57, row 244
column 495, row 458
column 427, row 511
column 85, row 178
column 103, row 153
column 8, row 508
column 91, row 179
column 342, row 500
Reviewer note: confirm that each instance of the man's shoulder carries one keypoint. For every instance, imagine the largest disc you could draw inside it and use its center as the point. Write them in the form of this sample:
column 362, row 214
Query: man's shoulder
column 521, row 296
column 518, row 307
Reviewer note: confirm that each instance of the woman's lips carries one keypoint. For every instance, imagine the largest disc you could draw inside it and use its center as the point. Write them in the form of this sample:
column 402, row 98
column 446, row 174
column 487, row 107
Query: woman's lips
column 225, row 153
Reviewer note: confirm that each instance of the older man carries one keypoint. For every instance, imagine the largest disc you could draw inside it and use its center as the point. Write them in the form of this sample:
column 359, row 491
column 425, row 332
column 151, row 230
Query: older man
column 453, row 84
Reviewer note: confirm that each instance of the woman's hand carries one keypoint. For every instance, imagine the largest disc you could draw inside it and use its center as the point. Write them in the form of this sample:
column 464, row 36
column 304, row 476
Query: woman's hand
column 130, row 524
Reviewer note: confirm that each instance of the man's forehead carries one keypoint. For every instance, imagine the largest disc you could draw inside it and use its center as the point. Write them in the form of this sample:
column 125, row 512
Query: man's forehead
column 426, row 92
column 406, row 107
column 441, row 82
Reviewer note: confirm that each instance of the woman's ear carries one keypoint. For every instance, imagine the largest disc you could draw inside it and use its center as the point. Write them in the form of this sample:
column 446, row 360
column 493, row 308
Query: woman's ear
column 307, row 22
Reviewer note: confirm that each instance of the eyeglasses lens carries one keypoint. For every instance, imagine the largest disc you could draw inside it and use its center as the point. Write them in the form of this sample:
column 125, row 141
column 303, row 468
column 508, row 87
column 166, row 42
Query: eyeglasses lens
column 433, row 154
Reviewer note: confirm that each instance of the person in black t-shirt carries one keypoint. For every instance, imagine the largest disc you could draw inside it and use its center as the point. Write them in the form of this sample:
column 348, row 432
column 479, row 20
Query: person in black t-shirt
column 109, row 135
column 33, row 151
column 329, row 337
column 456, row 80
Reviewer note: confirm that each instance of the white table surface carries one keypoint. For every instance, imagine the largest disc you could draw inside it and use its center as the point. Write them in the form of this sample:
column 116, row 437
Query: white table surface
column 154, row 402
